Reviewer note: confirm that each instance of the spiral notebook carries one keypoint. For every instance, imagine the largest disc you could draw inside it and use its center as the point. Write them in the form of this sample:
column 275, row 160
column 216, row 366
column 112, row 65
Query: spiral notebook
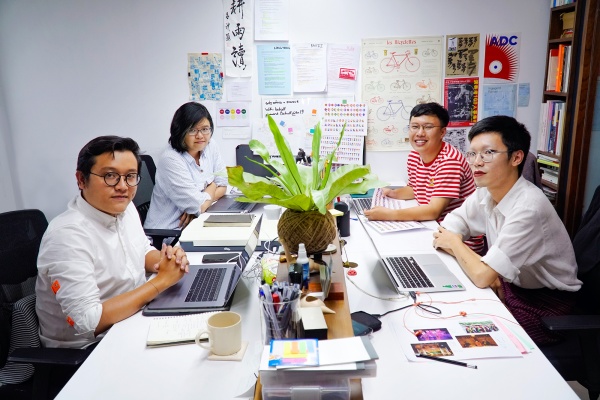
column 180, row 329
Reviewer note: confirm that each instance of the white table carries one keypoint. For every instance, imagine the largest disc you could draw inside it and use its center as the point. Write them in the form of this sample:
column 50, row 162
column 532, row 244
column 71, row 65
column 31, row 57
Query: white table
column 529, row 377
column 121, row 367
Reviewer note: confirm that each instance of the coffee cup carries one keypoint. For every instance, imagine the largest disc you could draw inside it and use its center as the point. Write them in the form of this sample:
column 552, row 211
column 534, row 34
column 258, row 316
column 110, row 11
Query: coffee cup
column 224, row 333
column 272, row 211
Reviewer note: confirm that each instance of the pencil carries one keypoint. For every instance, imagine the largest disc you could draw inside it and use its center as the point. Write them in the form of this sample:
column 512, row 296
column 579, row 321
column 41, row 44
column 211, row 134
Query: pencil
column 459, row 363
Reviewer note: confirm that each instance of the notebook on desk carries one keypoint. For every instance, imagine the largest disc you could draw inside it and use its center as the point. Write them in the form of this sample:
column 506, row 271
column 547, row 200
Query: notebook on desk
column 419, row 272
column 228, row 204
column 207, row 287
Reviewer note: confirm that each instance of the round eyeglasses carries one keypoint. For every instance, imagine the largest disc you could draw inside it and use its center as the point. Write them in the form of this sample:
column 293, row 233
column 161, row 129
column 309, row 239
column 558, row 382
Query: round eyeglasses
column 113, row 179
column 486, row 155
column 205, row 131
column 414, row 128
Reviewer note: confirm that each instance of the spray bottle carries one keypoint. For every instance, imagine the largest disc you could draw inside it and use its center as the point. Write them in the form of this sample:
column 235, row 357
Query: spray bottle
column 303, row 261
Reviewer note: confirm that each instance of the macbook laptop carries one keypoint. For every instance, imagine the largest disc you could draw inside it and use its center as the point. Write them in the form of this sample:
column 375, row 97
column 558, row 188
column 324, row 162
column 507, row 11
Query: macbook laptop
column 420, row 272
column 207, row 287
column 361, row 204
column 227, row 204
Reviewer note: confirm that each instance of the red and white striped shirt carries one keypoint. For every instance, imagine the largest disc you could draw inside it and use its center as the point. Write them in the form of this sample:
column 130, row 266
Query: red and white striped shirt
column 449, row 176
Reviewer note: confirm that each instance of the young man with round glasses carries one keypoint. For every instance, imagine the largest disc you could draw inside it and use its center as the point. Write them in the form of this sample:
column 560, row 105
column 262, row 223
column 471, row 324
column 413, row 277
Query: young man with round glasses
column 186, row 184
column 94, row 257
column 530, row 262
column 439, row 177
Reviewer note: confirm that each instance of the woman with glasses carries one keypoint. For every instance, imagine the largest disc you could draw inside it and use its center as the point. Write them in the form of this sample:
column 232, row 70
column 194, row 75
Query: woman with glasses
column 186, row 181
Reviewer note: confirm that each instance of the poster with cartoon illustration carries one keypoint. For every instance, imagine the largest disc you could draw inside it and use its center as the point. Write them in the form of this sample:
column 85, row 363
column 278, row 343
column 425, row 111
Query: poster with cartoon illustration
column 502, row 58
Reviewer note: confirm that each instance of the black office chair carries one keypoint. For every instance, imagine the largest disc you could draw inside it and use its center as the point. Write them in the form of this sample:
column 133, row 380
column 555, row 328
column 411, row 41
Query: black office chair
column 578, row 357
column 26, row 369
column 242, row 155
column 142, row 203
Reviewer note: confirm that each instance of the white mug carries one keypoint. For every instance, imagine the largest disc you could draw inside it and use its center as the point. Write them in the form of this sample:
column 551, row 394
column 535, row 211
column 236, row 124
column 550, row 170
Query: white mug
column 224, row 333
column 272, row 211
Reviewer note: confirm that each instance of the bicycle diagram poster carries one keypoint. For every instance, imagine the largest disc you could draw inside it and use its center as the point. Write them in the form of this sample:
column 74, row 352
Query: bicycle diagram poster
column 397, row 74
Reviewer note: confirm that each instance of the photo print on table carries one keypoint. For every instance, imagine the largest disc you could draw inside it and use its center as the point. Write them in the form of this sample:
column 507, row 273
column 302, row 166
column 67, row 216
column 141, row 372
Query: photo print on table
column 434, row 349
column 432, row 334
column 474, row 341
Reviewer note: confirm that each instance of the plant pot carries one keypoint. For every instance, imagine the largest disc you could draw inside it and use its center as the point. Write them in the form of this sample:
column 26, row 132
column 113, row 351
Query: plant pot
column 312, row 228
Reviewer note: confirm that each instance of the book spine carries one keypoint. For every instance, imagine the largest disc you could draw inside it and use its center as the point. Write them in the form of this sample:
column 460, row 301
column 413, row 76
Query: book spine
column 559, row 67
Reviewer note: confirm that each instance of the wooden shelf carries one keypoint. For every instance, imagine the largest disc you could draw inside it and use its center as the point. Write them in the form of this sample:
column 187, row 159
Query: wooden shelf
column 551, row 185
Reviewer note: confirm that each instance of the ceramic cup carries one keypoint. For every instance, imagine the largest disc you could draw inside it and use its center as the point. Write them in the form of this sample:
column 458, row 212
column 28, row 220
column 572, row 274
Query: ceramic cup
column 224, row 332
column 272, row 211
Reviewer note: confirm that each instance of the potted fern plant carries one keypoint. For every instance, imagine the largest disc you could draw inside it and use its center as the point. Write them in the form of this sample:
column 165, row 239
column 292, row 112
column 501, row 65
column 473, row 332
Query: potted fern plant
column 305, row 191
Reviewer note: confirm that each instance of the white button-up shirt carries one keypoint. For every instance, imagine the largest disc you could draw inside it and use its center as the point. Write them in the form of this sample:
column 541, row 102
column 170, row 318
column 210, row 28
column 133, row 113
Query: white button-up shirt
column 528, row 244
column 180, row 183
column 86, row 257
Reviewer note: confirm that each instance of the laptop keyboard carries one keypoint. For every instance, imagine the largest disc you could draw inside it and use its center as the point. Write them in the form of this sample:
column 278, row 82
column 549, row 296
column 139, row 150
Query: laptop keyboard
column 409, row 273
column 238, row 206
column 362, row 204
column 206, row 285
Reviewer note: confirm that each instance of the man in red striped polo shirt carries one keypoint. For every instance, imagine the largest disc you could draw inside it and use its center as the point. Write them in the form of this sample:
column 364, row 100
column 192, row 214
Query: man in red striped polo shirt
column 439, row 177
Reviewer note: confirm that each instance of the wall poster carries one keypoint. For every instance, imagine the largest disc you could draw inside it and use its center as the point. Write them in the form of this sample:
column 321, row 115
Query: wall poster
column 397, row 74
column 462, row 55
column 461, row 98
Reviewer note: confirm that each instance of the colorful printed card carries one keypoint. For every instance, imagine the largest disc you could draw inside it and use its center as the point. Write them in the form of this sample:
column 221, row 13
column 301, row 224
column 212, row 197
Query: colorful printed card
column 294, row 353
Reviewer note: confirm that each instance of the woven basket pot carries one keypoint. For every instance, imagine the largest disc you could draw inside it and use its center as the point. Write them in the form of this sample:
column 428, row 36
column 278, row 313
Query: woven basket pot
column 312, row 228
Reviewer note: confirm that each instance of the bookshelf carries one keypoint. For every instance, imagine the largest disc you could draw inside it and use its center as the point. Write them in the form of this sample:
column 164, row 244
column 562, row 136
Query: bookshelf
column 566, row 114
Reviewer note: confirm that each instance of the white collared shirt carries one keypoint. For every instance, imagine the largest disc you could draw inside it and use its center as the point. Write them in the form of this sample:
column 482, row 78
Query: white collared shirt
column 86, row 257
column 528, row 244
column 180, row 184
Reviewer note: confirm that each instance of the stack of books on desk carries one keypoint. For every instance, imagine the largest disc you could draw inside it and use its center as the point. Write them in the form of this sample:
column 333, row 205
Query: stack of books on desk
column 339, row 361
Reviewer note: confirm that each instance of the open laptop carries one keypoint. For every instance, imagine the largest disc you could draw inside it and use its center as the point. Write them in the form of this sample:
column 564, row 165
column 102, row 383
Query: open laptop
column 362, row 203
column 419, row 272
column 227, row 204
column 207, row 287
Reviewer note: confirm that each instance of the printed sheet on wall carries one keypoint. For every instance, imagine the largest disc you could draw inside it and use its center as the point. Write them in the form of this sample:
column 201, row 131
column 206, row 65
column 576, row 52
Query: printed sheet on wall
column 397, row 74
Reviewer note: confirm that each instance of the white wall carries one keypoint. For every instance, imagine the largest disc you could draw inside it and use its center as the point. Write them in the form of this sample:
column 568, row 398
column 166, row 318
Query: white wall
column 71, row 70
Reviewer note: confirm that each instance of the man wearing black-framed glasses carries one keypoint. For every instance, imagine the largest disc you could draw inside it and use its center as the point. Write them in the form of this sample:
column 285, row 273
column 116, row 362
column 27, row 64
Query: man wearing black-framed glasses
column 94, row 257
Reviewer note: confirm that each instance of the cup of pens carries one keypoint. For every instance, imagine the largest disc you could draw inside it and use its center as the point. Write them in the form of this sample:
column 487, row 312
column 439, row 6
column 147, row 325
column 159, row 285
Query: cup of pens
column 279, row 312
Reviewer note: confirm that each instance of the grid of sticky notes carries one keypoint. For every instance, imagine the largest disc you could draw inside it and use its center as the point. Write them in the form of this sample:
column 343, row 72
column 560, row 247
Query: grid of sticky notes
column 295, row 352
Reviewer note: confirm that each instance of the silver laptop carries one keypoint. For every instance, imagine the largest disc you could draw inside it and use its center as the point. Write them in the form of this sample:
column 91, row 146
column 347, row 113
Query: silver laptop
column 420, row 272
column 207, row 287
column 361, row 203
column 227, row 204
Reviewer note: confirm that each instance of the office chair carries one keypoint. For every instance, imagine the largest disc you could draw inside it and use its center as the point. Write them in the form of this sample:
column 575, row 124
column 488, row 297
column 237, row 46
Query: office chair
column 242, row 153
column 26, row 369
column 578, row 357
column 531, row 170
column 142, row 203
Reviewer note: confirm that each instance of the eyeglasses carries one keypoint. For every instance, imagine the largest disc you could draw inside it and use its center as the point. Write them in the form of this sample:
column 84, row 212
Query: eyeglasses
column 113, row 179
column 205, row 131
column 414, row 128
column 486, row 155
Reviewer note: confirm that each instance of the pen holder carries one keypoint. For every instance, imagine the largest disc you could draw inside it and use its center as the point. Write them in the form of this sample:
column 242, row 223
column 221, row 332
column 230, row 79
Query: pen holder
column 279, row 320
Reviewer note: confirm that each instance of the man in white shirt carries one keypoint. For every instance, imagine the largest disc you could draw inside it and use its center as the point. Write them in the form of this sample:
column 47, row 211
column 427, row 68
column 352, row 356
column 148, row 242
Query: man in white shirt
column 94, row 257
column 530, row 262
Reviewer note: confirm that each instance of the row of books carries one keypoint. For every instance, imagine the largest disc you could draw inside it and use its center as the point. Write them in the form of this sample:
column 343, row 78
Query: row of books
column 556, row 3
column 552, row 126
column 559, row 68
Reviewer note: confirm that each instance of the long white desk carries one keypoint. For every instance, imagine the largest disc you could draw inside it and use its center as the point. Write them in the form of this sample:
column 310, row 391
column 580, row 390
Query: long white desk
column 529, row 377
column 121, row 367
